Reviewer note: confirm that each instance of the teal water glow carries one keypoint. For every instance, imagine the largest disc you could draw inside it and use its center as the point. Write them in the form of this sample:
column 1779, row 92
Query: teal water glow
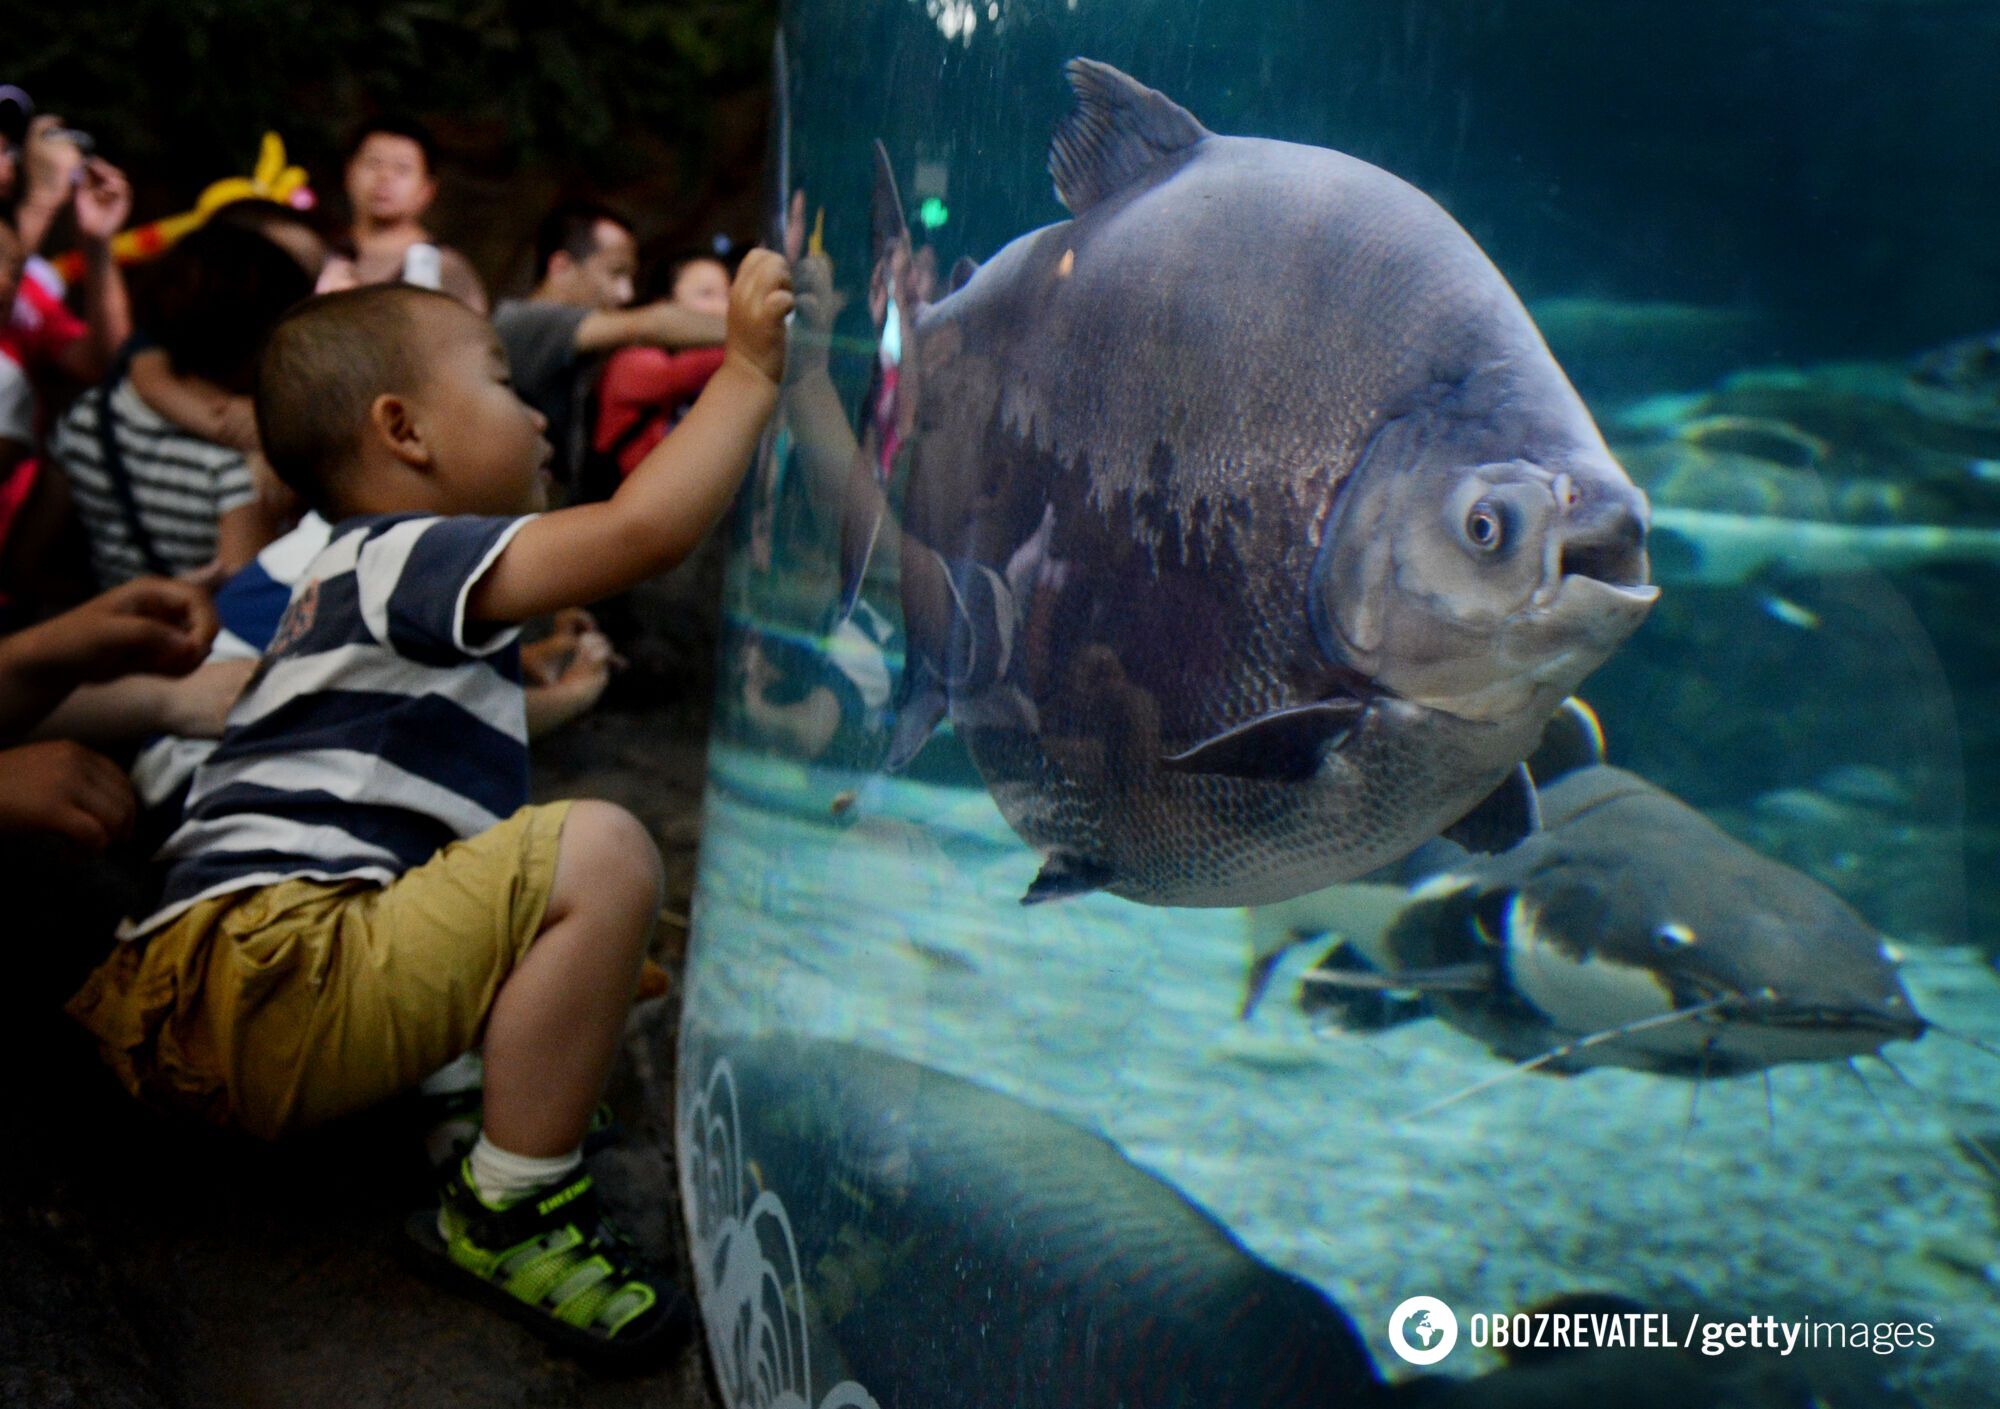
column 1762, row 321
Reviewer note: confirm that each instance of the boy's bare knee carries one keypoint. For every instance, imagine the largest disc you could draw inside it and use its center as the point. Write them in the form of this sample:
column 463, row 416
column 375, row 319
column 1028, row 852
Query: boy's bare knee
column 607, row 855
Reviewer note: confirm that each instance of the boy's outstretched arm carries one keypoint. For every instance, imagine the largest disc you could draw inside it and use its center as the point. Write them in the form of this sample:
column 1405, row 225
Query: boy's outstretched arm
column 576, row 556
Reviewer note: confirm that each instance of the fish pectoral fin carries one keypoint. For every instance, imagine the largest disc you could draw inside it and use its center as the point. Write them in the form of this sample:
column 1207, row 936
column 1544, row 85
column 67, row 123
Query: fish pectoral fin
column 1118, row 128
column 923, row 705
column 1284, row 746
column 1067, row 873
column 1510, row 815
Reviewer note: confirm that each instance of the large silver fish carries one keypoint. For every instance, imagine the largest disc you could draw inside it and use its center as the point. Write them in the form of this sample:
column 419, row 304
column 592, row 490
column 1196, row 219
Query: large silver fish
column 1251, row 531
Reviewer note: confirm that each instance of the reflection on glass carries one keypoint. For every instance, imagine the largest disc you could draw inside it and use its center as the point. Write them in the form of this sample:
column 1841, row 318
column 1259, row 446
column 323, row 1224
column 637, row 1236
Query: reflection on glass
column 1207, row 551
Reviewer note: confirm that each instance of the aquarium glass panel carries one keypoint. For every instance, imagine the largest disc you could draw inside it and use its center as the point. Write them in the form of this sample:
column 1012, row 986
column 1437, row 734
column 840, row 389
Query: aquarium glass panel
column 1358, row 714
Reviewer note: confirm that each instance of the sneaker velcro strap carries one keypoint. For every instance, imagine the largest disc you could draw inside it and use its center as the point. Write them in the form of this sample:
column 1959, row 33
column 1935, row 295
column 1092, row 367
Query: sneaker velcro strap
column 532, row 1217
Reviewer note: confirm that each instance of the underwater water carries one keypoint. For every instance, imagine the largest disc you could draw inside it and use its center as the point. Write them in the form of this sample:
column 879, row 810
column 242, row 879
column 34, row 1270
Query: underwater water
column 1713, row 1031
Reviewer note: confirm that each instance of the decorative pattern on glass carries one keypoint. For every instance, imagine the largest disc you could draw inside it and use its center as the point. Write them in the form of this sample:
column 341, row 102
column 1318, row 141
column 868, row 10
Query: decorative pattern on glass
column 746, row 1262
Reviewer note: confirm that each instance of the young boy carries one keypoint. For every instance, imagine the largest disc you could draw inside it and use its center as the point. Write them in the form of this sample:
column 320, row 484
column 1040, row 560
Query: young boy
column 359, row 895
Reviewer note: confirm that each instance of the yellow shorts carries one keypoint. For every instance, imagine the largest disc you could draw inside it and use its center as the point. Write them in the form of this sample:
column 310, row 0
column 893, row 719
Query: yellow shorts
column 274, row 1009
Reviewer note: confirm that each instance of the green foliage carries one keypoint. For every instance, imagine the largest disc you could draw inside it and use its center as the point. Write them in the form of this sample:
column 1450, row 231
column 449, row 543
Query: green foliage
column 180, row 89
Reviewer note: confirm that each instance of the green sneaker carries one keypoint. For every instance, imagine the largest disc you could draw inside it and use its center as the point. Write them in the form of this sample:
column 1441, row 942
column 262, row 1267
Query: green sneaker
column 553, row 1261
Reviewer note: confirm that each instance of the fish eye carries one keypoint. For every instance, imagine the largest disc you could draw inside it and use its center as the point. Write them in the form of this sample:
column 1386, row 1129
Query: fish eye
column 1483, row 527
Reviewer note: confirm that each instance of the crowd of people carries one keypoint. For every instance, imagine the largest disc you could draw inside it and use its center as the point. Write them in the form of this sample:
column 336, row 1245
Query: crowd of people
column 271, row 530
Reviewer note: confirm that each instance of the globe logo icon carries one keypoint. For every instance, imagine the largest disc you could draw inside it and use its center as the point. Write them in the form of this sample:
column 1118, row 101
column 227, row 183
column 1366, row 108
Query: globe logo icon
column 1423, row 1330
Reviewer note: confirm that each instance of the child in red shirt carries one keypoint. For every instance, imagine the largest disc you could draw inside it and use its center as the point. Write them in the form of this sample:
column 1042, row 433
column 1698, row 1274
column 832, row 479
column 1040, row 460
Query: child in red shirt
column 644, row 390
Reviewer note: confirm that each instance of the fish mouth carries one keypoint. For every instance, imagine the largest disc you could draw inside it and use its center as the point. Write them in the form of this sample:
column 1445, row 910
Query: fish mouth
column 1888, row 1025
column 1620, row 566
column 1599, row 551
column 1821, row 1019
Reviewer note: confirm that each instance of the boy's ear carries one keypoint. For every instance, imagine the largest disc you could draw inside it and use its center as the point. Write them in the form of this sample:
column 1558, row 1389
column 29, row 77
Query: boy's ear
column 392, row 420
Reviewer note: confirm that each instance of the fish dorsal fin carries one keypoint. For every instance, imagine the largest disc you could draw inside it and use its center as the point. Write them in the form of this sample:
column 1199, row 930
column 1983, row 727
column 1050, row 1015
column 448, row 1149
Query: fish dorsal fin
column 962, row 271
column 1118, row 128
column 1572, row 739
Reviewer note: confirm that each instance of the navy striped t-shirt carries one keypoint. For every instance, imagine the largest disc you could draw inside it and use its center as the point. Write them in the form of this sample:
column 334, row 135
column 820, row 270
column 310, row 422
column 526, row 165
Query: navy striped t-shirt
column 379, row 725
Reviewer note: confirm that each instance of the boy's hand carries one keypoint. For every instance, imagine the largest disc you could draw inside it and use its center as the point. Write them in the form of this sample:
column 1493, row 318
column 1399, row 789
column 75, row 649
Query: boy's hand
column 758, row 302
column 149, row 626
column 65, row 788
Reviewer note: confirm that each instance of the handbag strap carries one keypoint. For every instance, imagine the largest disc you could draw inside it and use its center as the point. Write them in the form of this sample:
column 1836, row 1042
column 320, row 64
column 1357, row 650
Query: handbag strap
column 113, row 456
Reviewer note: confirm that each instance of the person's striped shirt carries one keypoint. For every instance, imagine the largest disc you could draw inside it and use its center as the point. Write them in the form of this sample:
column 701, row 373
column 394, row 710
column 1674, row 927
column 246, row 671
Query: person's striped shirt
column 379, row 727
column 182, row 485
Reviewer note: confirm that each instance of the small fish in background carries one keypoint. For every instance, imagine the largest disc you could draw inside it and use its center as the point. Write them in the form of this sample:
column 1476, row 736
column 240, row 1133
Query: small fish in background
column 1958, row 383
column 1631, row 931
column 1790, row 613
column 1237, row 576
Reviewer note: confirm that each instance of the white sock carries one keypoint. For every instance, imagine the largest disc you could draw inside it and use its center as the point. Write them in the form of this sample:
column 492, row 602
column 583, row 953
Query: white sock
column 501, row 1176
column 461, row 1073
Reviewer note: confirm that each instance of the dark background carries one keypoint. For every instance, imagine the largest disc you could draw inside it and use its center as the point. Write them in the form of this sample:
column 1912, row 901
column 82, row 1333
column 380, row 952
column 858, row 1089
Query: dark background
column 1828, row 165
column 659, row 106
column 1827, row 168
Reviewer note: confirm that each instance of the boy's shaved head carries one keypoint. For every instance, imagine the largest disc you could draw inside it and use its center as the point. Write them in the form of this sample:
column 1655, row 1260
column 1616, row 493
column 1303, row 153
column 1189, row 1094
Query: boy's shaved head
column 324, row 365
